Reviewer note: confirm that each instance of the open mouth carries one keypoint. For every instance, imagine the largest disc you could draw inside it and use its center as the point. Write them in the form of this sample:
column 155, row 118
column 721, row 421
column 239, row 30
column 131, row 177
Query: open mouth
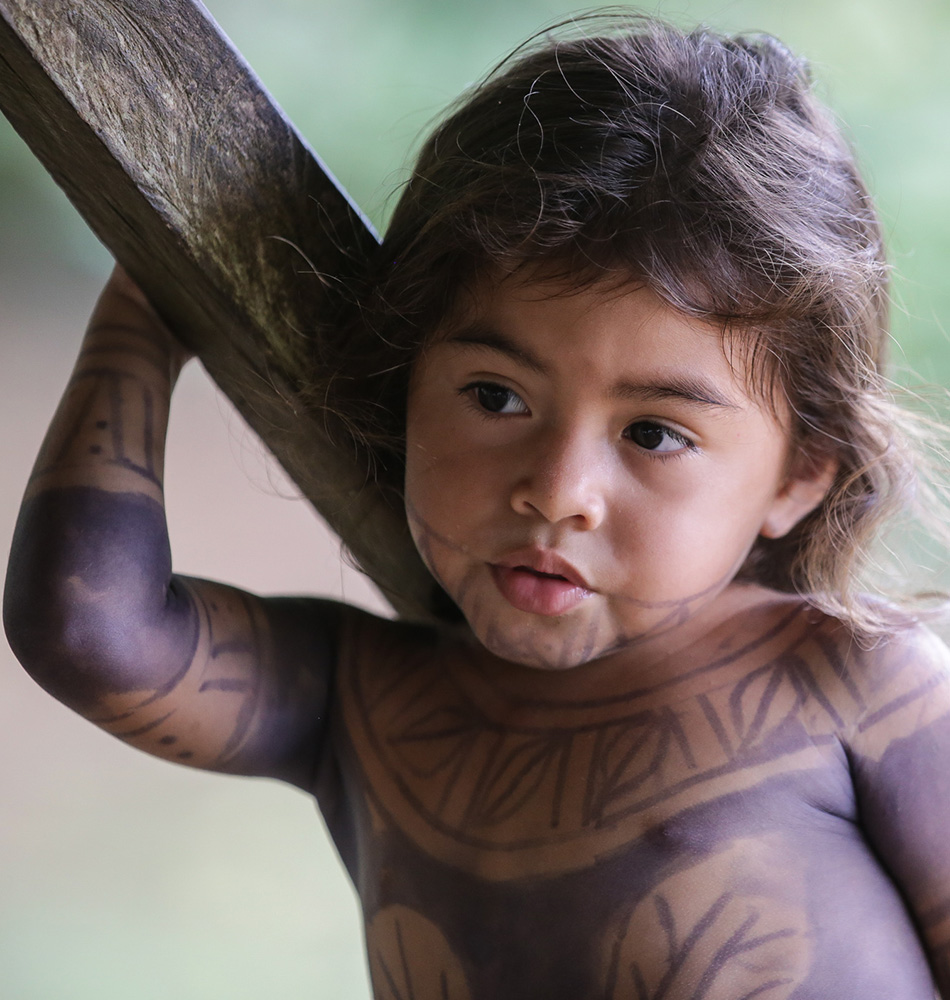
column 544, row 576
column 537, row 592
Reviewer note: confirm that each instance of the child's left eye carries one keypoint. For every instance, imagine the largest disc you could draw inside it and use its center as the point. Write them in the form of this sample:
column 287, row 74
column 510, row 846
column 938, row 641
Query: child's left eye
column 657, row 438
column 494, row 398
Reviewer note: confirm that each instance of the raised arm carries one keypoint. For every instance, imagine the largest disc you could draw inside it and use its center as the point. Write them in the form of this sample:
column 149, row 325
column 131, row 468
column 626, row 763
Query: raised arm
column 186, row 669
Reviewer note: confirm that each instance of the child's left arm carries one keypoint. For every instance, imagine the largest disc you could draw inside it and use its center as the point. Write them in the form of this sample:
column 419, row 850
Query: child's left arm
column 900, row 762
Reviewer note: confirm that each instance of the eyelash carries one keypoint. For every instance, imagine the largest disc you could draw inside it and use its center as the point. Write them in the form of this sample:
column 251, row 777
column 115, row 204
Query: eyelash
column 471, row 391
column 686, row 446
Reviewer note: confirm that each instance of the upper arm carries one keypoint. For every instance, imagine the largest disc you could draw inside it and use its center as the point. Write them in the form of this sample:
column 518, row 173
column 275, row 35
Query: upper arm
column 249, row 692
column 900, row 754
column 188, row 670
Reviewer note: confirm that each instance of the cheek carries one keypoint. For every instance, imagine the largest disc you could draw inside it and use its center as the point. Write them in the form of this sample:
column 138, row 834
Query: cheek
column 696, row 531
column 445, row 481
column 448, row 489
column 447, row 458
column 423, row 448
column 448, row 511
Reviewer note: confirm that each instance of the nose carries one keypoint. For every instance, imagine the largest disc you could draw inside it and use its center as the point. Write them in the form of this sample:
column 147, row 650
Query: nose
column 562, row 479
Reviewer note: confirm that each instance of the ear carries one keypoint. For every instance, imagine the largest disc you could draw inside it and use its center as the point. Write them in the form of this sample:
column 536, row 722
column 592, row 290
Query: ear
column 801, row 493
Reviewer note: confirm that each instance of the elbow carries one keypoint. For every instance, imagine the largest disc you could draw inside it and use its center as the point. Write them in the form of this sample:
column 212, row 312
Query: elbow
column 86, row 608
column 74, row 649
column 49, row 646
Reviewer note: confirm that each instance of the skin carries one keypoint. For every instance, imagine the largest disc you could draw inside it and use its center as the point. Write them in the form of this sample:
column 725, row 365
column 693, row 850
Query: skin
column 602, row 427
column 678, row 787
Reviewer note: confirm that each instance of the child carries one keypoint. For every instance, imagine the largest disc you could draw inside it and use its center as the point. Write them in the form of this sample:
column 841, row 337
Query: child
column 630, row 317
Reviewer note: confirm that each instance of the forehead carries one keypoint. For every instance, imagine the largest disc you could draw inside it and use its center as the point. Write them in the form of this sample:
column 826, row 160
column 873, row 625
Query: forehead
column 601, row 330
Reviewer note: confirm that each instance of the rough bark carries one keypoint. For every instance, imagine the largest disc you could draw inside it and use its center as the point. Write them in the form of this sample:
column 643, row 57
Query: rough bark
column 194, row 179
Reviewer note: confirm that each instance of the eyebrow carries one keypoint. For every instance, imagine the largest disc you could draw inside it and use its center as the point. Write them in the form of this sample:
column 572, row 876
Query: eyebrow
column 693, row 389
column 686, row 388
column 478, row 335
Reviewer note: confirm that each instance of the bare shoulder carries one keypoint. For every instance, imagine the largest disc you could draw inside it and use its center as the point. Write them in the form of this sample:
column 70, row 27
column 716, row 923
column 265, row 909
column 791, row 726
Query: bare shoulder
column 854, row 682
column 899, row 683
column 907, row 657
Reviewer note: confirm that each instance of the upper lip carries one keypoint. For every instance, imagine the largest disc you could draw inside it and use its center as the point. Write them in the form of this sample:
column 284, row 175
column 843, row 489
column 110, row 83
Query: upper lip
column 541, row 560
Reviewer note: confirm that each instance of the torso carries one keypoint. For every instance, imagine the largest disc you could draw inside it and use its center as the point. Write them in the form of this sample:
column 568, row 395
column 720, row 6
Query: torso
column 691, row 836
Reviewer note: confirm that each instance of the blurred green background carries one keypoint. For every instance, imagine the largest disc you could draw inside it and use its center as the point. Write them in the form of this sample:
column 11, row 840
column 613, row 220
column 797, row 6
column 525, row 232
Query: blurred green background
column 123, row 877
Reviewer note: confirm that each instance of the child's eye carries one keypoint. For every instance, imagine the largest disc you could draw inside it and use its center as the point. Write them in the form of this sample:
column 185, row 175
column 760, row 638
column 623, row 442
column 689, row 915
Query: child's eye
column 657, row 438
column 495, row 398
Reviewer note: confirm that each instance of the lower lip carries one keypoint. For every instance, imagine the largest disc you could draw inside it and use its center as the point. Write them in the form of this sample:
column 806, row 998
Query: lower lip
column 537, row 595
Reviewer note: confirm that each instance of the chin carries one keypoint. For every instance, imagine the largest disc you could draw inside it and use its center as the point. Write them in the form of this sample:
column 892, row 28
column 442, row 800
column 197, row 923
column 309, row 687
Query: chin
column 542, row 648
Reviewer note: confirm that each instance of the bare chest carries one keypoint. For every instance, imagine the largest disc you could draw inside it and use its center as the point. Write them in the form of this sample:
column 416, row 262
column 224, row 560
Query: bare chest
column 546, row 787
column 644, row 847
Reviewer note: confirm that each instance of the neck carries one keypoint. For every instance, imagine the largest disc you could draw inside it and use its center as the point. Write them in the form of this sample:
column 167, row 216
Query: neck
column 742, row 616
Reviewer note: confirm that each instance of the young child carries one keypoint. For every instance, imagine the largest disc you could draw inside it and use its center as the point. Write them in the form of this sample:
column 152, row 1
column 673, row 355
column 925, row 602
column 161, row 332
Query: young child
column 631, row 317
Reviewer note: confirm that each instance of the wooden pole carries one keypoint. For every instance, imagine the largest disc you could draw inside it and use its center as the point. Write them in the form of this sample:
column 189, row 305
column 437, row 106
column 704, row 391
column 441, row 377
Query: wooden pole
column 186, row 169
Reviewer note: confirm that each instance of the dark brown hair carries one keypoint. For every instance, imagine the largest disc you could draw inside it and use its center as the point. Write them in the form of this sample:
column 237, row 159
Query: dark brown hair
column 703, row 166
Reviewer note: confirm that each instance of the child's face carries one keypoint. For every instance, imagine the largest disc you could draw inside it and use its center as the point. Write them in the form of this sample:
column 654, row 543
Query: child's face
column 587, row 471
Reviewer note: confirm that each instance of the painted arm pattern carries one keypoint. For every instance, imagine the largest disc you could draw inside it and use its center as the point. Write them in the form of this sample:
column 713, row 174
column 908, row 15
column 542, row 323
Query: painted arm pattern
column 185, row 669
column 900, row 757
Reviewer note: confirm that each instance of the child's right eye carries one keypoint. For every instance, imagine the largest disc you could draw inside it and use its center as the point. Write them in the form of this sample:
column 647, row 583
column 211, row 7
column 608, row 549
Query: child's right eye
column 494, row 398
